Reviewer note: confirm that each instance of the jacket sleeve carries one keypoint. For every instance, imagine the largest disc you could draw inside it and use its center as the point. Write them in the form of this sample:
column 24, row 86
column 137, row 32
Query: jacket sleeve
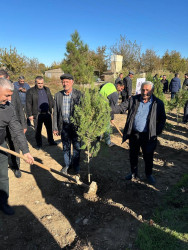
column 17, row 131
column 170, row 86
column 121, row 108
column 129, row 87
column 55, row 115
column 50, row 97
column 29, row 103
column 20, row 111
column 161, row 118
column 113, row 100
column 179, row 84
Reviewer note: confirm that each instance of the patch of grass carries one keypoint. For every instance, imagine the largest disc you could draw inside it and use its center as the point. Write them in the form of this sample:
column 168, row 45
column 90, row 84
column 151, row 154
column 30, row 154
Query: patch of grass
column 170, row 228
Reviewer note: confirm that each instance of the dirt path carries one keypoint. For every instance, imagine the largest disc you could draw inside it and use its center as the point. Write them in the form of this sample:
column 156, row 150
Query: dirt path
column 52, row 213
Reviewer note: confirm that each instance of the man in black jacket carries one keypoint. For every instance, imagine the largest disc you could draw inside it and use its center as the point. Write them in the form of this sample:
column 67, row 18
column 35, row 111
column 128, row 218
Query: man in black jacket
column 127, row 92
column 145, row 121
column 14, row 162
column 8, row 118
column 39, row 104
column 64, row 104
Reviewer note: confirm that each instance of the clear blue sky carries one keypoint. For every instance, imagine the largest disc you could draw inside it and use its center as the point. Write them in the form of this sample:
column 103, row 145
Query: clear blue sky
column 40, row 29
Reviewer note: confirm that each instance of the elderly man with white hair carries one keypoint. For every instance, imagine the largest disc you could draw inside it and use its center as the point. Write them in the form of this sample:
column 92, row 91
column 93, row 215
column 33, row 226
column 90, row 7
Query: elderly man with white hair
column 145, row 121
column 8, row 118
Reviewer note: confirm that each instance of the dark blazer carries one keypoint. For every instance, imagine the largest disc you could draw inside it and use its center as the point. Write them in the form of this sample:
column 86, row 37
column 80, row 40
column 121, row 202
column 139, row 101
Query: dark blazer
column 32, row 101
column 157, row 116
column 58, row 103
column 15, row 100
column 8, row 118
column 127, row 87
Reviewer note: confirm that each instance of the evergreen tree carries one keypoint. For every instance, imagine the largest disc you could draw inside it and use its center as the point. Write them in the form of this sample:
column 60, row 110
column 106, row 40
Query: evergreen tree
column 92, row 118
column 158, row 89
column 77, row 60
column 178, row 102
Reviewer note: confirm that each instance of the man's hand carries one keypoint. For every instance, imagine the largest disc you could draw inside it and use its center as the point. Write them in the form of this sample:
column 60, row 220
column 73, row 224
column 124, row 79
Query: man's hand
column 112, row 122
column 29, row 158
column 24, row 130
column 55, row 132
column 22, row 89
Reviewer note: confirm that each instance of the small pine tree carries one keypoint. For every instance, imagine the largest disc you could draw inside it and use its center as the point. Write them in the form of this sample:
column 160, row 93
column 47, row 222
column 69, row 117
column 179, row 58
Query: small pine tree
column 158, row 91
column 178, row 101
column 92, row 118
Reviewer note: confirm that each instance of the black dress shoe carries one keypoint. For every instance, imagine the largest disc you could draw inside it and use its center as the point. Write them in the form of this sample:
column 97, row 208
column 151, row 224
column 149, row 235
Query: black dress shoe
column 17, row 173
column 6, row 209
column 53, row 143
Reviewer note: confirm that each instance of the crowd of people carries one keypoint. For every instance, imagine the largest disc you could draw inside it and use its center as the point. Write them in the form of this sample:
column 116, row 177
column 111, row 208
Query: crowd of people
column 21, row 105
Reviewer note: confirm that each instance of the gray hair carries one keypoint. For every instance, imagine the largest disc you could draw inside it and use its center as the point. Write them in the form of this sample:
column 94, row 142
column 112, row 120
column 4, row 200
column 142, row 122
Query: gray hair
column 148, row 83
column 6, row 84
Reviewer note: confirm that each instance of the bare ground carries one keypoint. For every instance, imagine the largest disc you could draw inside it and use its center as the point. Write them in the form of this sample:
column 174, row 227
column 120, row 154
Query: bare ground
column 53, row 212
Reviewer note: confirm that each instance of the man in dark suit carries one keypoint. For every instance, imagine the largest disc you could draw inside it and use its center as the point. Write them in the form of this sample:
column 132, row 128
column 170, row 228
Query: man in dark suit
column 39, row 104
column 127, row 92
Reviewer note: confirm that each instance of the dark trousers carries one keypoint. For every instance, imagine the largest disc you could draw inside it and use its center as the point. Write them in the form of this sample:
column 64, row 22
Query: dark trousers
column 47, row 120
column 13, row 161
column 185, row 117
column 25, row 113
column 4, row 180
column 173, row 95
column 136, row 141
column 68, row 137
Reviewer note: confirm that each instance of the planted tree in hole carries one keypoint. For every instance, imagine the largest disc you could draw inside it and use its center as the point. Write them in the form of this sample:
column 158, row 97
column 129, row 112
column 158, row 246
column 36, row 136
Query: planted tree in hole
column 178, row 101
column 92, row 118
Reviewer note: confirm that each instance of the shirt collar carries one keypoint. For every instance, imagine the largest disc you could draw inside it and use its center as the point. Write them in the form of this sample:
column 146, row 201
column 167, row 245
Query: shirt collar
column 150, row 100
column 70, row 94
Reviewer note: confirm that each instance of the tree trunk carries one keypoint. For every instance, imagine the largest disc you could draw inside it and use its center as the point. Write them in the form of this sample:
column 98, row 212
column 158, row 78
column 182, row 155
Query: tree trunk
column 88, row 160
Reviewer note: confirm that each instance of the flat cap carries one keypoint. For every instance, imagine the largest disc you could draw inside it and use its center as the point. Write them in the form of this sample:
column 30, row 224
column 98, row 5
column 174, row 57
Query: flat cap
column 66, row 76
column 131, row 73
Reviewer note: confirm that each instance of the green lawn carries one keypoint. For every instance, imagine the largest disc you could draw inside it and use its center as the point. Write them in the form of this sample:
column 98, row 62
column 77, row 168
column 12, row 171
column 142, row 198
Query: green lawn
column 170, row 228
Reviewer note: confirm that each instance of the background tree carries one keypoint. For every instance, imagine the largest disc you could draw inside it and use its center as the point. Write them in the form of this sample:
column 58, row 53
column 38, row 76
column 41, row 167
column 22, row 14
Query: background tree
column 13, row 62
column 92, row 118
column 98, row 60
column 130, row 51
column 77, row 60
column 150, row 61
column 173, row 62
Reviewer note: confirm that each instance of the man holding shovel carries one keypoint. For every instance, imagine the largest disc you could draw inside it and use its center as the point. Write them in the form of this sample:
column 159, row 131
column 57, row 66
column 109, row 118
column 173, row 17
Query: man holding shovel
column 8, row 118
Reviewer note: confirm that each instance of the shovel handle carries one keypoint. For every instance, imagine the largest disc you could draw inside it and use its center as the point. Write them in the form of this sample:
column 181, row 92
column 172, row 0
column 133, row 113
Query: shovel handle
column 77, row 181
column 117, row 128
column 23, row 157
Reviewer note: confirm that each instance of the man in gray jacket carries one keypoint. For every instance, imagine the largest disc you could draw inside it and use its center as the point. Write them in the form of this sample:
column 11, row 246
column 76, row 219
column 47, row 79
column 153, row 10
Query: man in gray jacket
column 8, row 118
column 14, row 162
column 64, row 103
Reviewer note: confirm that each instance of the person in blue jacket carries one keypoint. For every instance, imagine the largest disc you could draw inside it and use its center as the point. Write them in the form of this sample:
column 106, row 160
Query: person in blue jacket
column 175, row 85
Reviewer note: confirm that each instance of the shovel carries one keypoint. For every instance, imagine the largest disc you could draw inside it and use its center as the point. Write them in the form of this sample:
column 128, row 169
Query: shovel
column 75, row 180
column 117, row 128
